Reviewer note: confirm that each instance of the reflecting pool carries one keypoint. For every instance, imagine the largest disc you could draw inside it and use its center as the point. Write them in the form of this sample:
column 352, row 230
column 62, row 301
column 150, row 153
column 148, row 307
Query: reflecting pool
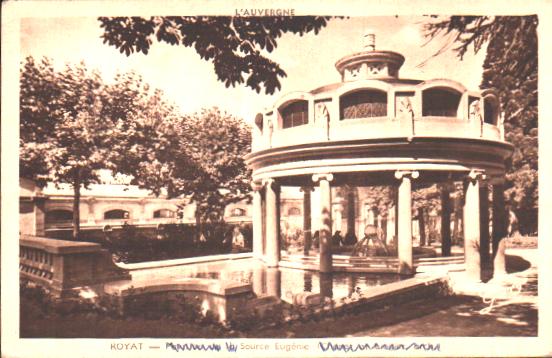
column 284, row 283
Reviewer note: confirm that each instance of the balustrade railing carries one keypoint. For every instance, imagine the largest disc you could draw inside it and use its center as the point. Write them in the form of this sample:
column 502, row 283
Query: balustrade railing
column 62, row 266
column 435, row 123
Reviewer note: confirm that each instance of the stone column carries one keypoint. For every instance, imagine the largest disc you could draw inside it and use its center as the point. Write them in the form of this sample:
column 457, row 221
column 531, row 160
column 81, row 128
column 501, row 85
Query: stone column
column 499, row 229
column 396, row 216
column 391, row 224
column 257, row 280
column 307, row 233
column 272, row 257
column 484, row 224
column 326, row 221
column 263, row 217
column 472, row 225
column 404, row 220
column 278, row 216
column 338, row 218
column 445, row 220
column 422, row 225
column 351, row 230
column 458, row 215
column 257, row 219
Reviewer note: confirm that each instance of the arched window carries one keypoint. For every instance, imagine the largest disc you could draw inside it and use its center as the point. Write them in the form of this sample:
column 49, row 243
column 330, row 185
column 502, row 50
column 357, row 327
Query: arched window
column 163, row 213
column 363, row 104
column 116, row 214
column 441, row 102
column 238, row 212
column 295, row 114
column 293, row 211
column 59, row 216
column 490, row 111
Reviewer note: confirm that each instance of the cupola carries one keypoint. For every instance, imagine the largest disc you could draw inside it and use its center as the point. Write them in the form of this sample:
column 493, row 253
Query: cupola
column 369, row 64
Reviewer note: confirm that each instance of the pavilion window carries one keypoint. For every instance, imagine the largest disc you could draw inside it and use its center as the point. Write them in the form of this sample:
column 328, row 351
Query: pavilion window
column 59, row 216
column 163, row 213
column 295, row 114
column 440, row 102
column 490, row 112
column 363, row 104
column 116, row 214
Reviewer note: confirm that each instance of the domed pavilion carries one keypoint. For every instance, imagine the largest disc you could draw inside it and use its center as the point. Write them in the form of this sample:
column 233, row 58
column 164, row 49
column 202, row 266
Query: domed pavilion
column 375, row 128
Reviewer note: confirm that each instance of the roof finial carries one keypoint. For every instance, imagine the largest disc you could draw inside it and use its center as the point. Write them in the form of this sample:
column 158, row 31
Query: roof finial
column 369, row 40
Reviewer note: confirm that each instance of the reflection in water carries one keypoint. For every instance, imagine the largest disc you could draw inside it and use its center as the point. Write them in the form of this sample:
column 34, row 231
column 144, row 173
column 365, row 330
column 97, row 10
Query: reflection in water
column 326, row 284
column 273, row 282
column 351, row 285
column 257, row 281
column 307, row 279
column 283, row 282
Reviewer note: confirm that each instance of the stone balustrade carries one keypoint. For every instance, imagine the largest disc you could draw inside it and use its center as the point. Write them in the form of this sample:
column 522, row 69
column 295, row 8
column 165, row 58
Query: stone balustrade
column 378, row 128
column 62, row 266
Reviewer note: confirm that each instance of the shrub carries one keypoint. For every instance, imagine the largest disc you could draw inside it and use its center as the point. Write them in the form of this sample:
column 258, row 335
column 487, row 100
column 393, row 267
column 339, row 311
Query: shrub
column 171, row 241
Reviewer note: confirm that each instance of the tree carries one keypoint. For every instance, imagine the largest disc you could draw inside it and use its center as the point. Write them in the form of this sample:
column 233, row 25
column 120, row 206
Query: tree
column 198, row 157
column 234, row 45
column 70, row 122
column 511, row 67
column 61, row 128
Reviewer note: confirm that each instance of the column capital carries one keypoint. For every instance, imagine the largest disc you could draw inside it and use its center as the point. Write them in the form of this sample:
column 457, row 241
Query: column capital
column 306, row 189
column 476, row 175
column 256, row 186
column 399, row 174
column 318, row 177
column 269, row 182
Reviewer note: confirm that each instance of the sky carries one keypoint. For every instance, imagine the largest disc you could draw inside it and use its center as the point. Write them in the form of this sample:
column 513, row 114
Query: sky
column 191, row 83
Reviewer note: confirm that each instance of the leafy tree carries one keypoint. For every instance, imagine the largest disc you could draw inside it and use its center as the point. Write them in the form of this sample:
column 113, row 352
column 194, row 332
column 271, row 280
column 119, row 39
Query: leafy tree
column 234, row 45
column 198, row 157
column 70, row 123
column 62, row 132
column 511, row 67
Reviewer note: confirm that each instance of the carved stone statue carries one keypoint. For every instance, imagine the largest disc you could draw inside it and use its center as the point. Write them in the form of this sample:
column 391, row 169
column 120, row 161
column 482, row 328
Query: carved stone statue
column 405, row 108
column 323, row 115
column 270, row 130
column 475, row 111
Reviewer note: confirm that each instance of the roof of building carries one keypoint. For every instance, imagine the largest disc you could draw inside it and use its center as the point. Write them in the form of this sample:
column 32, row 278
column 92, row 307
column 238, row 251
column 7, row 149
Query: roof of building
column 100, row 190
column 334, row 86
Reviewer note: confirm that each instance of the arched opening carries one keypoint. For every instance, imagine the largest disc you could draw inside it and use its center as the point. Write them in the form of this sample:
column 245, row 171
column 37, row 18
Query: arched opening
column 59, row 216
column 295, row 114
column 116, row 214
column 490, row 110
column 363, row 104
column 164, row 213
column 441, row 102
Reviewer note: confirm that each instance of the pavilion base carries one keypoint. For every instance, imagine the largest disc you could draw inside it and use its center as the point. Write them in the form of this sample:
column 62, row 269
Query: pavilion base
column 374, row 264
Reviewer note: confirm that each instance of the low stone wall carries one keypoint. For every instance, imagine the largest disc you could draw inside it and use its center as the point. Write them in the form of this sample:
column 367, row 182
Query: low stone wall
column 62, row 266
column 221, row 298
